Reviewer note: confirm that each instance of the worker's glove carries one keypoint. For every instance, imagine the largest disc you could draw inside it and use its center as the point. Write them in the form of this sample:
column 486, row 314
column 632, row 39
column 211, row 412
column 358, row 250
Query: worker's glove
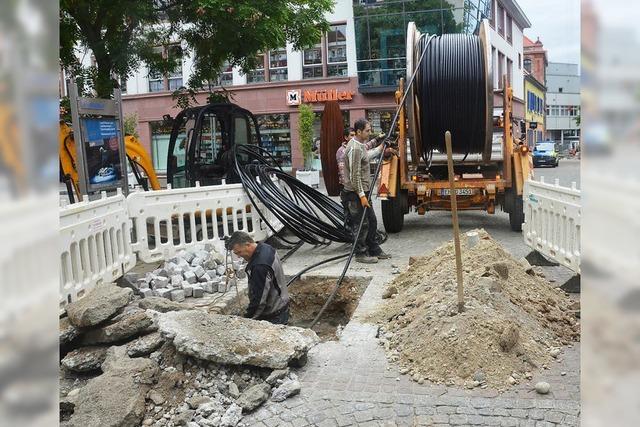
column 364, row 202
column 388, row 152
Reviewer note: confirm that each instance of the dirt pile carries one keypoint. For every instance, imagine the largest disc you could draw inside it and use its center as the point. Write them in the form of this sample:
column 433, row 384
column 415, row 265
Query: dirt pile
column 513, row 321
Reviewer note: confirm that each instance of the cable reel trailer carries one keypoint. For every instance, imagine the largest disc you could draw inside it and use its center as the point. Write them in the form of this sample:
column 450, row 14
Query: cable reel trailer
column 453, row 90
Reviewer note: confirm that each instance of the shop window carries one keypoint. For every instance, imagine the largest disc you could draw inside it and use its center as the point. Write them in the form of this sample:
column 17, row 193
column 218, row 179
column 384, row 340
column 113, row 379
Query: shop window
column 278, row 65
column 312, row 62
column 257, row 74
column 380, row 120
column 275, row 133
column 337, row 50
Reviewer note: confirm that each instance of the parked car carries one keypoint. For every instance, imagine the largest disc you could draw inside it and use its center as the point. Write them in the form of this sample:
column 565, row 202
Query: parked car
column 545, row 154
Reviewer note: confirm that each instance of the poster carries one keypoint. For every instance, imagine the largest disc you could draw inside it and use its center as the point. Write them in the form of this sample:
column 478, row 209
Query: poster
column 102, row 147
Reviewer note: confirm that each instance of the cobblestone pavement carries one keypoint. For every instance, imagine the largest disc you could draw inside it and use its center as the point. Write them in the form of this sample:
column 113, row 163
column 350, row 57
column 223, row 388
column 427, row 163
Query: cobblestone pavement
column 350, row 382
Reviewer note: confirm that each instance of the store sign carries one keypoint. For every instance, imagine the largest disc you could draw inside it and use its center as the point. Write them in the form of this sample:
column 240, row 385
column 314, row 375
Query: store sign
column 296, row 96
column 293, row 97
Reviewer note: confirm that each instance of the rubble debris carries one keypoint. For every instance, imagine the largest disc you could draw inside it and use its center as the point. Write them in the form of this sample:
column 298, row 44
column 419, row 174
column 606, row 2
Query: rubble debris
column 510, row 321
column 98, row 305
column 254, row 396
column 288, row 388
column 118, row 395
column 232, row 417
column 145, row 345
column 161, row 305
column 276, row 375
column 389, row 292
column 68, row 332
column 235, row 340
column 128, row 326
column 85, row 359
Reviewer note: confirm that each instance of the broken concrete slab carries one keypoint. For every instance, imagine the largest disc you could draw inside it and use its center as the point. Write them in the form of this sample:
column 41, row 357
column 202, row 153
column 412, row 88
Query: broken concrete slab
column 287, row 389
column 254, row 396
column 129, row 326
column 145, row 345
column 117, row 397
column 232, row 417
column 98, row 305
column 85, row 359
column 68, row 332
column 234, row 340
column 276, row 375
column 162, row 305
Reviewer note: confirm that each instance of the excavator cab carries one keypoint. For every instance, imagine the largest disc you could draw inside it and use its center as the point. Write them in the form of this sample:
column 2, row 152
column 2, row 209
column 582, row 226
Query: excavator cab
column 201, row 144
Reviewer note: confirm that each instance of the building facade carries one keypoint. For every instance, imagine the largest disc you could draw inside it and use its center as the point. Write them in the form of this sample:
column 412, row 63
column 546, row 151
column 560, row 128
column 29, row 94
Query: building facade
column 359, row 61
column 563, row 104
column 535, row 80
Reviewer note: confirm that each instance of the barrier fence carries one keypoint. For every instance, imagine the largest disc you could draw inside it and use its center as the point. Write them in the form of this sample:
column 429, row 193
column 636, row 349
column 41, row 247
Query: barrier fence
column 101, row 239
column 553, row 221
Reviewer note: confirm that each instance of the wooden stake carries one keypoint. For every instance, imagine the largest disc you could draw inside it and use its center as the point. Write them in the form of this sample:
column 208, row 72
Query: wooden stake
column 454, row 216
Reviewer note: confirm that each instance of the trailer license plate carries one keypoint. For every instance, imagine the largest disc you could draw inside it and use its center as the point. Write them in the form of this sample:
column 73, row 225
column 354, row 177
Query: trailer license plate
column 459, row 192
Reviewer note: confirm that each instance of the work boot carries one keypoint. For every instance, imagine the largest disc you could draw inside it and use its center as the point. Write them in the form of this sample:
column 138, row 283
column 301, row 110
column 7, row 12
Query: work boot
column 366, row 259
column 382, row 255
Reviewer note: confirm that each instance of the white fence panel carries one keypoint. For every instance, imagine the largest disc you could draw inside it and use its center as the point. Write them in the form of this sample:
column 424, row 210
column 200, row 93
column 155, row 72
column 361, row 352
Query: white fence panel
column 168, row 220
column 95, row 245
column 553, row 221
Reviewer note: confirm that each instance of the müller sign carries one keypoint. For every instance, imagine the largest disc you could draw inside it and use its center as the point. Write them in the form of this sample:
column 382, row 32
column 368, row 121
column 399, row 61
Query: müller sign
column 296, row 96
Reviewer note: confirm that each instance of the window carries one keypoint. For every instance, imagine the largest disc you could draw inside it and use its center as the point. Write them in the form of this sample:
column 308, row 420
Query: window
column 257, row 74
column 500, row 20
column 560, row 89
column 509, row 27
column 527, row 65
column 312, row 62
column 173, row 79
column 494, row 66
column 275, row 134
column 226, row 75
column 500, row 70
column 492, row 21
column 278, row 65
column 160, row 134
column 509, row 71
column 519, row 61
column 337, row 50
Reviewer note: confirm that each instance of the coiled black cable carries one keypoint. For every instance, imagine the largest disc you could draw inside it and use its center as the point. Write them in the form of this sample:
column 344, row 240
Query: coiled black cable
column 451, row 92
column 312, row 216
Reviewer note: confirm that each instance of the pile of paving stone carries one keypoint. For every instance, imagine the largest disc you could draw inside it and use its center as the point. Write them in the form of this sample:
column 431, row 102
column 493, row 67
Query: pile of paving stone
column 191, row 273
column 131, row 361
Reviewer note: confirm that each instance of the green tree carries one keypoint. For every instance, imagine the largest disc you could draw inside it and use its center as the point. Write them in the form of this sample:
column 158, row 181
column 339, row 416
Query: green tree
column 305, row 133
column 131, row 125
column 122, row 34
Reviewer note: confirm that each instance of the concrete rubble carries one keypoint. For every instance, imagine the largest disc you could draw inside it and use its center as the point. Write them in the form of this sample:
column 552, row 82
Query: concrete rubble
column 191, row 273
column 234, row 340
column 158, row 362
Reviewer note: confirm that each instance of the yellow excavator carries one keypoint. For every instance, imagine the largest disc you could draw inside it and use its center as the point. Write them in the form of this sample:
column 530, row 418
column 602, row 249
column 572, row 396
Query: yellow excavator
column 139, row 161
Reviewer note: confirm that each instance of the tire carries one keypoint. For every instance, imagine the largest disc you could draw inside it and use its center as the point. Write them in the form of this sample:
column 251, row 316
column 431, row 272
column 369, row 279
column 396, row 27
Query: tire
column 516, row 215
column 393, row 211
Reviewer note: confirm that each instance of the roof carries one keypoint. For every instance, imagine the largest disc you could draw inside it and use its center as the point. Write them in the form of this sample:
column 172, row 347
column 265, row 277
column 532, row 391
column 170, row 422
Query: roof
column 516, row 12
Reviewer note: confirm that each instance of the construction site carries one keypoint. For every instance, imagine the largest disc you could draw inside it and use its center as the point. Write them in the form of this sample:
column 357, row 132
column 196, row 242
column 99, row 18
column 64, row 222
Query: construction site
column 468, row 312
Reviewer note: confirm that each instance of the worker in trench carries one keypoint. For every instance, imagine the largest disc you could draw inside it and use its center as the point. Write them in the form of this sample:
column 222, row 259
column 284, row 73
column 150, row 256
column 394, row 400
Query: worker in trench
column 348, row 135
column 354, row 194
column 268, row 295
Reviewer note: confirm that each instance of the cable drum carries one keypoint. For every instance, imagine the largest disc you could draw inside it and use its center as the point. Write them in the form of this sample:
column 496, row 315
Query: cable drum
column 451, row 91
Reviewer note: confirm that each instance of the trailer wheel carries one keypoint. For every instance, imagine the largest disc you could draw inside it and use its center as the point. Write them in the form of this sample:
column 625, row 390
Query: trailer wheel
column 393, row 211
column 516, row 214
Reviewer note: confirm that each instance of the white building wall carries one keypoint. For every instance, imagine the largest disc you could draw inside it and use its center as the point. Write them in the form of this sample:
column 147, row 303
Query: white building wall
column 510, row 51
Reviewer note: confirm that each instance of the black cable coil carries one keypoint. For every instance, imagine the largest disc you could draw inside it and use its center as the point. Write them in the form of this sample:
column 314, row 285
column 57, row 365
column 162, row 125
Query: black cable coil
column 451, row 92
column 312, row 216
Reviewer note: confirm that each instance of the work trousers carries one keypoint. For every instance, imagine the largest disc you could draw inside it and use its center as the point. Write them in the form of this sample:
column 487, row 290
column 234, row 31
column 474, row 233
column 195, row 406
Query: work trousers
column 367, row 243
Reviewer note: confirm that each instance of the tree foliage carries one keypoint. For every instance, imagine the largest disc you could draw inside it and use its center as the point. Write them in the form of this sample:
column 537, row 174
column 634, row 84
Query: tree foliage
column 124, row 34
column 305, row 133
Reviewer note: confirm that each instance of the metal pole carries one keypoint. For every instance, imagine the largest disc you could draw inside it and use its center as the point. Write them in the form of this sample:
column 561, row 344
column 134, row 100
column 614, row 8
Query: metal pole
column 123, row 154
column 77, row 137
column 454, row 216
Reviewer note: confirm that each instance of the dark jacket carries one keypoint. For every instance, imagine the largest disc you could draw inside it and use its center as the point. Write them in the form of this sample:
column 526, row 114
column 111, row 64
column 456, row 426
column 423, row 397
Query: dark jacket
column 268, row 293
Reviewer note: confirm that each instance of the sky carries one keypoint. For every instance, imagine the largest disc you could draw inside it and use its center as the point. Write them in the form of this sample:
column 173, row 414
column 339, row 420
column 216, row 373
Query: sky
column 557, row 23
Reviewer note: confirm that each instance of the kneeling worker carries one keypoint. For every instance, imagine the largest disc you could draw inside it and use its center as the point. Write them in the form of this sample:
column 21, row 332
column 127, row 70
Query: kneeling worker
column 268, row 295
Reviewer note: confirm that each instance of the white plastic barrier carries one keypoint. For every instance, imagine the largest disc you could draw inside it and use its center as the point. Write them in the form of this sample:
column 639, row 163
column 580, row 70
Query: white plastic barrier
column 28, row 273
column 552, row 221
column 166, row 221
column 95, row 245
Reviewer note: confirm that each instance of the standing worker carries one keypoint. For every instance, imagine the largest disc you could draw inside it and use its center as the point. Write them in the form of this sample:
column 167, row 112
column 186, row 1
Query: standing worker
column 268, row 295
column 356, row 185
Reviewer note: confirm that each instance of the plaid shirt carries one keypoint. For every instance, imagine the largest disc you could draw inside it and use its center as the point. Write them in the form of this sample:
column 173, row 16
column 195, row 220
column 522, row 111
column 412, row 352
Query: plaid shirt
column 340, row 157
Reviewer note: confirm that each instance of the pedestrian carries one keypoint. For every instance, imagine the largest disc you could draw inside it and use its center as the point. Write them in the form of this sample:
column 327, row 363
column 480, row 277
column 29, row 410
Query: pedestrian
column 268, row 295
column 354, row 194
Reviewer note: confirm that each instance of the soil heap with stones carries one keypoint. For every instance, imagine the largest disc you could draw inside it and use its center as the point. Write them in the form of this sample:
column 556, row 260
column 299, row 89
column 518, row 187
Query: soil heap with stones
column 513, row 321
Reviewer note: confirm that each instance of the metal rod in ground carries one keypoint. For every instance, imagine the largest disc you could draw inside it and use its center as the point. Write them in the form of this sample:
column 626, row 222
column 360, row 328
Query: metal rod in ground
column 454, row 217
